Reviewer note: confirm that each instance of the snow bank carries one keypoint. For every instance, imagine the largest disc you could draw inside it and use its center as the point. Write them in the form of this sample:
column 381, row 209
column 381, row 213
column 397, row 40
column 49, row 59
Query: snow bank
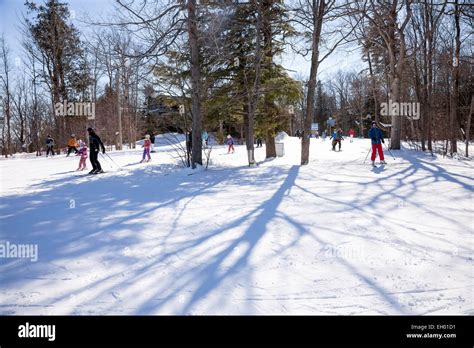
column 166, row 139
column 282, row 137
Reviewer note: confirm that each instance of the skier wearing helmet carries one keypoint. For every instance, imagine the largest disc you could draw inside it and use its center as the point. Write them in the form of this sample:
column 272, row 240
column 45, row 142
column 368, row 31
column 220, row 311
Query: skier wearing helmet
column 95, row 145
column 376, row 136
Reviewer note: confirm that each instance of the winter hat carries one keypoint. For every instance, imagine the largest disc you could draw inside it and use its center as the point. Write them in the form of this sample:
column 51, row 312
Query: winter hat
column 228, row 137
column 89, row 129
column 147, row 136
column 374, row 123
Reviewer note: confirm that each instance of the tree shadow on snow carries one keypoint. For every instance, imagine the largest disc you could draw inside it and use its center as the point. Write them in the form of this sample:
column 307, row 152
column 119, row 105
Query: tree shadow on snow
column 115, row 210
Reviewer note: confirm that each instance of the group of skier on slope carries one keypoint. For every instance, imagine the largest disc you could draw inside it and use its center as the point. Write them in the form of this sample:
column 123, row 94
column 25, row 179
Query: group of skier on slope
column 96, row 145
column 375, row 135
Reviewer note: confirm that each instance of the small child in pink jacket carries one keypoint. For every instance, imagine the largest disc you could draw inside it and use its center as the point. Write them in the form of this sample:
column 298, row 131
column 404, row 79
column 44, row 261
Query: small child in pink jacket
column 146, row 149
column 83, row 153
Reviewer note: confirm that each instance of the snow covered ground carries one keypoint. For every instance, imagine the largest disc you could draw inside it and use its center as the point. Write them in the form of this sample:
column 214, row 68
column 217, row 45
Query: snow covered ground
column 333, row 237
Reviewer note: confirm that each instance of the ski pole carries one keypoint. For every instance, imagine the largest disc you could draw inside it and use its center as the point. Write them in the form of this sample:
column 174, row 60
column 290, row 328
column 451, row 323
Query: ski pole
column 110, row 159
column 367, row 155
column 108, row 162
column 113, row 160
column 389, row 151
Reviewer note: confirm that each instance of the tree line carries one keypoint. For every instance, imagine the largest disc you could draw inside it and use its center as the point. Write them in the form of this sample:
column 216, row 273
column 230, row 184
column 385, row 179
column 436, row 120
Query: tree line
column 216, row 66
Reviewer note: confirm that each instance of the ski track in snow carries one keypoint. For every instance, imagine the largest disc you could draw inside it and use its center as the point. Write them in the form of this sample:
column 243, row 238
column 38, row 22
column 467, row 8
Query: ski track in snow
column 333, row 237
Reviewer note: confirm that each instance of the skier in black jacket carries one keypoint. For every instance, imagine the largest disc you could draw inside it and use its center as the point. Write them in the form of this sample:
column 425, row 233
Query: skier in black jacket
column 49, row 145
column 95, row 144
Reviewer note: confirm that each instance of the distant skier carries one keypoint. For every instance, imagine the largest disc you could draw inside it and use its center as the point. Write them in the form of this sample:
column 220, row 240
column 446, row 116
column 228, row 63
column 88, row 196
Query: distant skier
column 230, row 143
column 72, row 145
column 83, row 153
column 205, row 138
column 152, row 139
column 351, row 134
column 95, row 144
column 189, row 141
column 259, row 142
column 189, row 146
column 324, row 136
column 376, row 135
column 336, row 139
column 49, row 145
column 146, row 149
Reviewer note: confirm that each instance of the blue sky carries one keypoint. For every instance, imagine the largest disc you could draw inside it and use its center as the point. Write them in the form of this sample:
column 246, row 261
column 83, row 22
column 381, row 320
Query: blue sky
column 11, row 13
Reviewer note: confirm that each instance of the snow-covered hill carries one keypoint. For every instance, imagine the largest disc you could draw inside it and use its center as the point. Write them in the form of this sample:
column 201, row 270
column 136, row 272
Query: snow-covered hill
column 333, row 237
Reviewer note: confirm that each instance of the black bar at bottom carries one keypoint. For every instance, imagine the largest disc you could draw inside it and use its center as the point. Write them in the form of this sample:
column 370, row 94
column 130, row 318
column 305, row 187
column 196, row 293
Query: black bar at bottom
column 450, row 331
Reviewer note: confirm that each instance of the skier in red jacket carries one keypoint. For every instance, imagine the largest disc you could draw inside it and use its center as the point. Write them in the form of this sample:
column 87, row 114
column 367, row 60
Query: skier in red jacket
column 351, row 134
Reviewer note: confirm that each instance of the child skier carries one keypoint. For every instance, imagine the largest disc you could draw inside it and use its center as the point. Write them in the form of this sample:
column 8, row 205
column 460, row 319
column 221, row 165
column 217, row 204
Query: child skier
column 146, row 149
column 376, row 136
column 336, row 139
column 83, row 153
column 230, row 143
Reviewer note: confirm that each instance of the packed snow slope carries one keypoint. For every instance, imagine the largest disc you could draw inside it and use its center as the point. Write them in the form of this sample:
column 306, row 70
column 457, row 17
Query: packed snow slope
column 333, row 237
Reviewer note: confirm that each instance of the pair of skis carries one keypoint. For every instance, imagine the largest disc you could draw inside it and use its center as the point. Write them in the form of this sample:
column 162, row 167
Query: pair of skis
column 381, row 165
column 95, row 173
column 373, row 165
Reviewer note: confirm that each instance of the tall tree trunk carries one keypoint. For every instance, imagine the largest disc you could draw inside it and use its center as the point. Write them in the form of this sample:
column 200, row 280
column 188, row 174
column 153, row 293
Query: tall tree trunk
column 318, row 13
column 253, row 94
column 221, row 131
column 196, row 157
column 429, row 94
column 6, row 84
column 8, row 117
column 395, row 43
column 396, row 119
column 249, row 124
column 36, row 125
column 455, row 95
column 119, row 113
column 468, row 125
column 270, row 149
